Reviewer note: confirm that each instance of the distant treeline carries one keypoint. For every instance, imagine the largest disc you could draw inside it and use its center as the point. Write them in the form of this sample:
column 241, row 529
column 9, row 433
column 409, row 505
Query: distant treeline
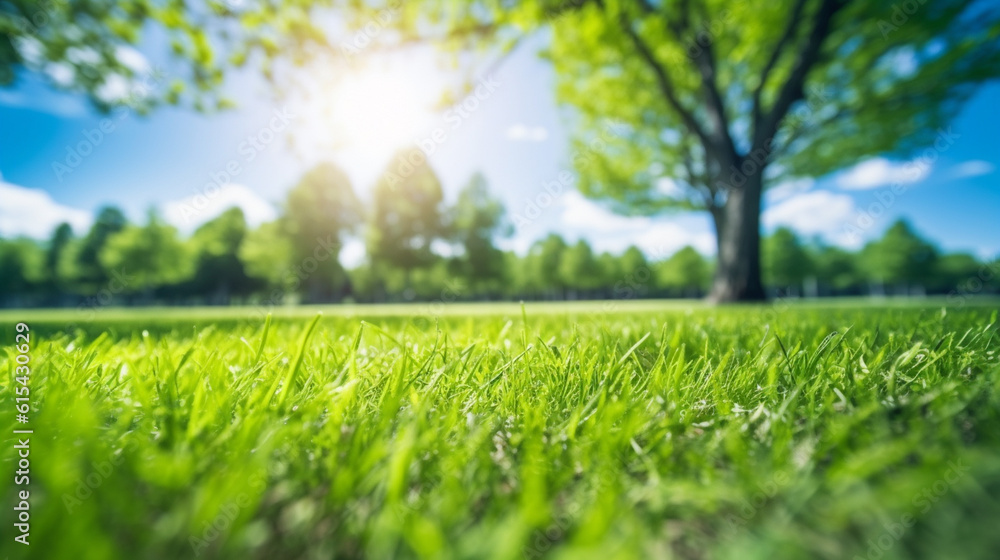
column 407, row 229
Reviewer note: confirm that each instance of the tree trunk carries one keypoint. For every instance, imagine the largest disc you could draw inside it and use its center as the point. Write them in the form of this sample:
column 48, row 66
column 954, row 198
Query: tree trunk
column 737, row 227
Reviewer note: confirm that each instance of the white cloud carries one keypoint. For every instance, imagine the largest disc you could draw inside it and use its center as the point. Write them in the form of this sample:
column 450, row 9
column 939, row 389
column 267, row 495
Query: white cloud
column 132, row 59
column 114, row 89
column 788, row 189
column 524, row 133
column 663, row 239
column 658, row 238
column 61, row 73
column 973, row 168
column 34, row 213
column 814, row 213
column 188, row 213
column 879, row 172
column 584, row 214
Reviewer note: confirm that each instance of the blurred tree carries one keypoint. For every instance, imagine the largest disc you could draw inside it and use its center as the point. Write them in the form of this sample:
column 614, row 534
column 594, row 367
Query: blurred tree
column 319, row 211
column 544, row 265
column 266, row 255
column 81, row 262
column 219, row 273
column 407, row 215
column 147, row 257
column 786, row 263
column 612, row 272
column 959, row 272
column 579, row 270
column 836, row 268
column 727, row 98
column 901, row 258
column 476, row 219
column 633, row 259
column 90, row 46
column 61, row 238
column 685, row 273
column 22, row 265
column 518, row 275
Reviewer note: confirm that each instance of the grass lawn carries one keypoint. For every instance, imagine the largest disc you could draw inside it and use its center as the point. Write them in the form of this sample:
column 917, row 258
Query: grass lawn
column 593, row 430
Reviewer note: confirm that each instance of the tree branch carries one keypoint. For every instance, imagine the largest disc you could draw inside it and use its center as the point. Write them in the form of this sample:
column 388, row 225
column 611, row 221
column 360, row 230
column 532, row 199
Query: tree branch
column 664, row 81
column 705, row 62
column 793, row 23
column 792, row 90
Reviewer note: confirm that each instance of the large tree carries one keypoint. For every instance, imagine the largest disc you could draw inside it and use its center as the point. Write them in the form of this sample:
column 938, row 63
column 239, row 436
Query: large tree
column 718, row 100
column 81, row 262
column 407, row 215
column 60, row 241
column 685, row 273
column 901, row 258
column 218, row 272
column 476, row 219
column 147, row 257
column 786, row 262
column 320, row 209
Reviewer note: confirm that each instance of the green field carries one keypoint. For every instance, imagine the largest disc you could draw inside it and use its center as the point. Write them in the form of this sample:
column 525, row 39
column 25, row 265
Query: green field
column 596, row 430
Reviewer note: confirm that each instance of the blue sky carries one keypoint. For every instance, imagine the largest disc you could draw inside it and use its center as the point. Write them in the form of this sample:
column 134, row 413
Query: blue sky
column 513, row 133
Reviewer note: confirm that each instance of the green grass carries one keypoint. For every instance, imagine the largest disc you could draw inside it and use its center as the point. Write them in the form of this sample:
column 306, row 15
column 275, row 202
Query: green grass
column 622, row 430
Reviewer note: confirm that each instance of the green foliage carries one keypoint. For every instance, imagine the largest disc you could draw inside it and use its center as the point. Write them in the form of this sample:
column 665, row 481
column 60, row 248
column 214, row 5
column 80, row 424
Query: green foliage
column 218, row 269
column 562, row 431
column 686, row 272
column 901, row 257
column 476, row 220
column 544, row 263
column 22, row 267
column 578, row 267
column 836, row 268
column 61, row 238
column 954, row 270
column 319, row 210
column 407, row 214
column 90, row 46
column 874, row 88
column 786, row 262
column 266, row 253
column 82, row 266
column 149, row 256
